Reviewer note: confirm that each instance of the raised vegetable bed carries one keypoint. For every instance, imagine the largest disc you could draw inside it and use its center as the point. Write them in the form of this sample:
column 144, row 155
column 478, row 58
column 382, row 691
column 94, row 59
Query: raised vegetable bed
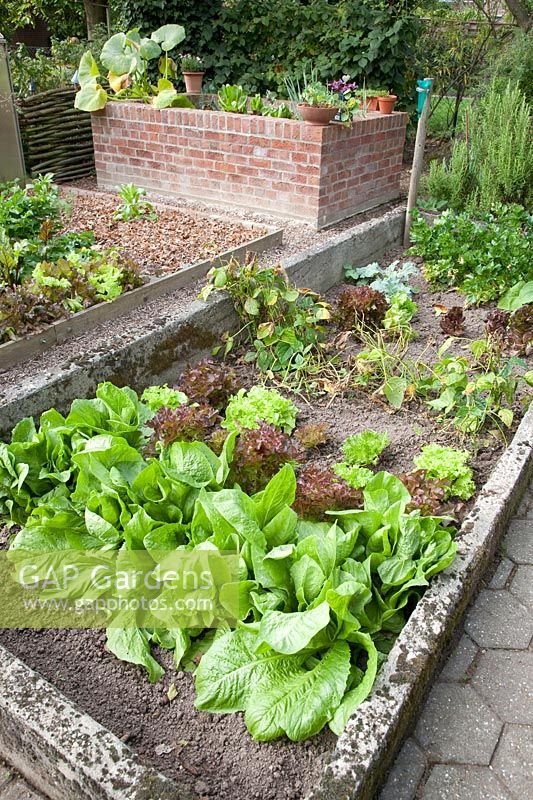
column 317, row 174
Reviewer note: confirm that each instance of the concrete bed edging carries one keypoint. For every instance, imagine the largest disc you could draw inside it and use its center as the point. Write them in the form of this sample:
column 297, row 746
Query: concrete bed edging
column 12, row 353
column 151, row 356
column 53, row 756
column 368, row 746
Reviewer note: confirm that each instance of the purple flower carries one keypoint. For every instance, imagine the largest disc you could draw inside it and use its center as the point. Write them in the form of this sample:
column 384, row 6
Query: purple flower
column 343, row 85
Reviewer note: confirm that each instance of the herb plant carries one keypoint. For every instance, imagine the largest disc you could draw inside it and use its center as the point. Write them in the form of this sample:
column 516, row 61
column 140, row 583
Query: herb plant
column 189, row 63
column 133, row 204
column 247, row 409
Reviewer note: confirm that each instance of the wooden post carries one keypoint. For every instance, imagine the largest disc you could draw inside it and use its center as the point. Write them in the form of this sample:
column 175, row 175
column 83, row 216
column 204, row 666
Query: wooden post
column 418, row 161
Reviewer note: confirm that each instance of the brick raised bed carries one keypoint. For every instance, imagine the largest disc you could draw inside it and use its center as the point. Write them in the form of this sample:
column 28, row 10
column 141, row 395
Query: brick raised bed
column 317, row 174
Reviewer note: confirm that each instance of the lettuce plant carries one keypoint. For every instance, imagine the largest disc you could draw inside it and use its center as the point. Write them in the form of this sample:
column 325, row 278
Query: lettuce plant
column 365, row 448
column 319, row 602
column 259, row 454
column 209, row 382
column 320, row 490
column 360, row 306
column 155, row 397
column 247, row 409
column 183, row 423
column 312, row 435
column 356, row 477
column 443, row 463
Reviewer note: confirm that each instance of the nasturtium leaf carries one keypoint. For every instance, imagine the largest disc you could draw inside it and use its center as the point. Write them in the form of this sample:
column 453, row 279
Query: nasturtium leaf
column 91, row 97
column 168, row 36
column 88, row 70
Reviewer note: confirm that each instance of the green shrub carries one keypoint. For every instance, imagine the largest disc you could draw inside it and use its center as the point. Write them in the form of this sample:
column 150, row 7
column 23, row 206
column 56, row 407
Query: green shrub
column 256, row 42
column 495, row 164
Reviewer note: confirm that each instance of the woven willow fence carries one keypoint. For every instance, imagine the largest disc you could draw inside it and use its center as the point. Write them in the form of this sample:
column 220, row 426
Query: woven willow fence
column 55, row 137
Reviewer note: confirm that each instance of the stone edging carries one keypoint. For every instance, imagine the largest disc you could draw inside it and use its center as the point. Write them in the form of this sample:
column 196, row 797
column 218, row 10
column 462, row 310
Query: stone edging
column 367, row 748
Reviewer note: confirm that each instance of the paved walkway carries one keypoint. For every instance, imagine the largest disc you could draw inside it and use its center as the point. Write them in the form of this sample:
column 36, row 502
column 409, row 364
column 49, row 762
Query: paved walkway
column 13, row 787
column 474, row 737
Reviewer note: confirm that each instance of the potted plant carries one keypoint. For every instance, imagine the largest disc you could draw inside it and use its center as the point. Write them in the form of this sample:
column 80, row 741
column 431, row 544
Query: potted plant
column 318, row 105
column 386, row 103
column 371, row 99
column 193, row 71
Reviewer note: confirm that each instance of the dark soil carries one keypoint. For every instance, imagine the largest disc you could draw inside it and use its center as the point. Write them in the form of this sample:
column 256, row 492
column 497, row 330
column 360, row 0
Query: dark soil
column 214, row 755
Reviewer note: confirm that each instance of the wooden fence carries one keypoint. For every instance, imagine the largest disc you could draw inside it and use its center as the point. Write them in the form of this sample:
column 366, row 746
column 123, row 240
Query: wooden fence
column 55, row 137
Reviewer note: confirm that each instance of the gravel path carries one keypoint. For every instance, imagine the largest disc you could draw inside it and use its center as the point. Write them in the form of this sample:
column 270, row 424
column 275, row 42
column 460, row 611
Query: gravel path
column 474, row 736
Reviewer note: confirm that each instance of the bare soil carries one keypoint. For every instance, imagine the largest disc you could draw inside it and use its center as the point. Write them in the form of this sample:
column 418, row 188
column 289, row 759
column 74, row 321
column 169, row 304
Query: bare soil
column 214, row 755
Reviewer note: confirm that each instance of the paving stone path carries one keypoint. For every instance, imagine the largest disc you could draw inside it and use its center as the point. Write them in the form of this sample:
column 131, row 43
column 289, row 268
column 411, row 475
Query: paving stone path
column 474, row 736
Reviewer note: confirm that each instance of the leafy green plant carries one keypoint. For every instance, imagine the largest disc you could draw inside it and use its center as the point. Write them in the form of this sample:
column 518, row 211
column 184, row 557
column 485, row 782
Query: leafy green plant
column 517, row 296
column 233, row 99
column 318, row 95
column 354, row 476
column 481, row 258
column 283, row 324
column 390, row 281
column 365, row 448
column 360, row 307
column 155, row 397
column 428, row 494
column 23, row 210
column 474, row 391
column 399, row 315
column 448, row 464
column 184, row 423
column 247, row 409
column 313, row 434
column 133, row 204
column 62, row 287
column 127, row 57
column 319, row 490
column 318, row 600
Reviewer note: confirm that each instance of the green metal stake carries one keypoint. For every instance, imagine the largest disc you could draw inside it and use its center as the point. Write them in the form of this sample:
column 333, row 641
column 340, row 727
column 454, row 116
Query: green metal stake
column 424, row 89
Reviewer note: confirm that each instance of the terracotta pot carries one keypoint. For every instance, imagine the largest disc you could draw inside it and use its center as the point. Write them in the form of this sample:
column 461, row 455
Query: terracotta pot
column 193, row 82
column 317, row 115
column 386, row 104
column 371, row 103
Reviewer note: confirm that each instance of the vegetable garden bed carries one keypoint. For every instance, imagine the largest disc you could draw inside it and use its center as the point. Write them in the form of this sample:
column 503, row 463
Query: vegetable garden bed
column 167, row 251
column 166, row 730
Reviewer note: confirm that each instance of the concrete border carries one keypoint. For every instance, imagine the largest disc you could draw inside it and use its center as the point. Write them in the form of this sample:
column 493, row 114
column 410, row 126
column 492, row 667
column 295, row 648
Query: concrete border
column 64, row 752
column 367, row 748
column 153, row 356
column 12, row 353
column 61, row 759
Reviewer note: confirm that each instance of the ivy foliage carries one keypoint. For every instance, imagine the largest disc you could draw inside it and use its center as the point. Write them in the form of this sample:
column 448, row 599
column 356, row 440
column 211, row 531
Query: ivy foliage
column 256, row 42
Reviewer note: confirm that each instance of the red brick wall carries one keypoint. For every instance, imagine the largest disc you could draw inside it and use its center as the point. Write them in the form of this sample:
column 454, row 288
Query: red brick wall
column 286, row 167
